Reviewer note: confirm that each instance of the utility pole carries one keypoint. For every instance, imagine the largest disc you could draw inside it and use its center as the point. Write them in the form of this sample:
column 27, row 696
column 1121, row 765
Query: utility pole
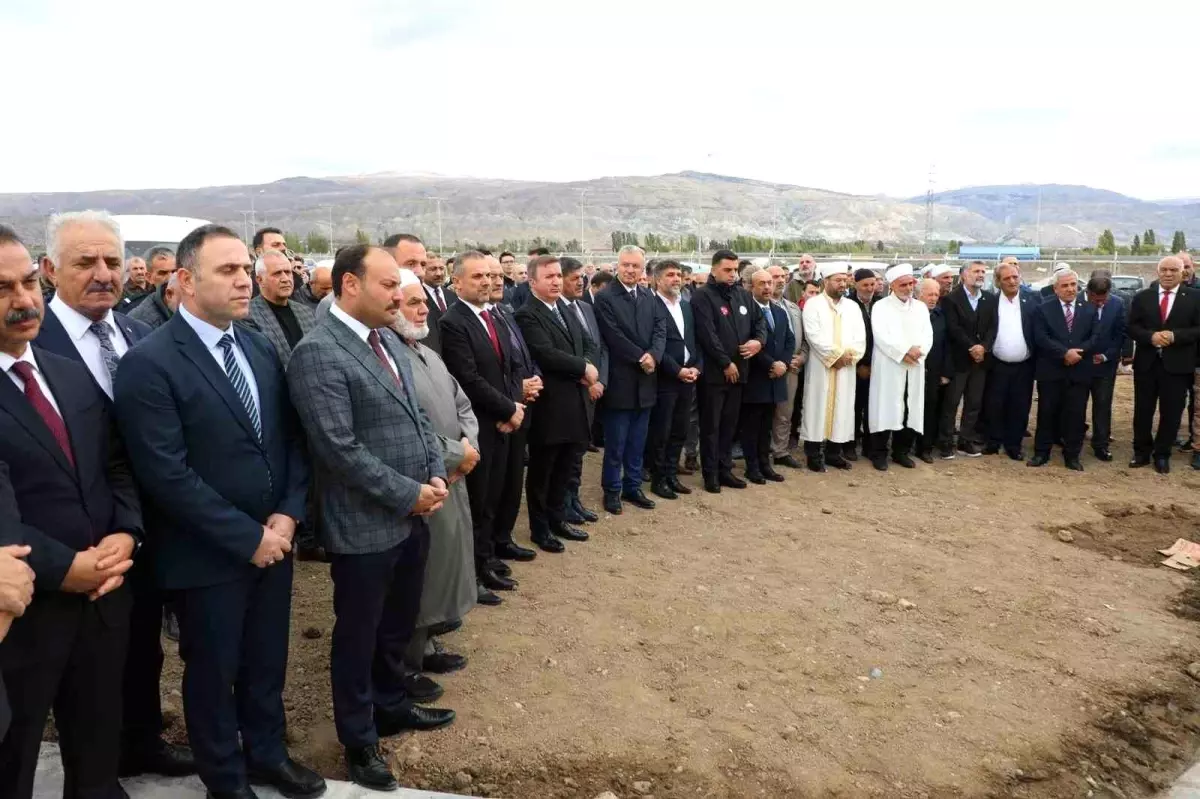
column 928, row 211
column 245, row 225
column 332, row 246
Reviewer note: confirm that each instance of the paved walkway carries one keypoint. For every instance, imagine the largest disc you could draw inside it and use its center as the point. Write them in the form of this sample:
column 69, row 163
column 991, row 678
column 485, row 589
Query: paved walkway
column 49, row 785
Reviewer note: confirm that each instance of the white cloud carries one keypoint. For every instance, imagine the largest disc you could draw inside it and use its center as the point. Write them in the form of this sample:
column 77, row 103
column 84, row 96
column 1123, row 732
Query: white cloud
column 859, row 96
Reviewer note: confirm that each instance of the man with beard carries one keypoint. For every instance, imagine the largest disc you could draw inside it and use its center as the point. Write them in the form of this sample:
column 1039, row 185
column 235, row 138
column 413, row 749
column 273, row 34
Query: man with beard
column 802, row 275
column 938, row 368
column 944, row 276
column 833, row 327
column 160, row 264
column 903, row 338
column 137, row 286
column 449, row 591
column 863, row 295
column 676, row 384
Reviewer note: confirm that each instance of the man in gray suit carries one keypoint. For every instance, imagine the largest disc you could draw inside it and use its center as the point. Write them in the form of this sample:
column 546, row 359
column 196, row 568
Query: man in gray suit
column 572, row 295
column 781, row 425
column 381, row 474
column 272, row 313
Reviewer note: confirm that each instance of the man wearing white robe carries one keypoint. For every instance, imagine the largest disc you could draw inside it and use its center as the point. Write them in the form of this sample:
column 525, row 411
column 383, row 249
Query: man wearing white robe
column 903, row 337
column 837, row 339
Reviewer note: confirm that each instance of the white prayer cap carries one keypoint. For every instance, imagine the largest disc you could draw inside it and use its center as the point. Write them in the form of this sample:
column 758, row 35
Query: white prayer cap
column 941, row 269
column 833, row 268
column 408, row 278
column 898, row 271
column 926, row 270
column 1061, row 267
column 325, row 264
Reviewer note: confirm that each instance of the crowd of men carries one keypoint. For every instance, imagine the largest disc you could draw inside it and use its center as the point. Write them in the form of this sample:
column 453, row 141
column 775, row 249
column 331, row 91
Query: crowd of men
column 177, row 429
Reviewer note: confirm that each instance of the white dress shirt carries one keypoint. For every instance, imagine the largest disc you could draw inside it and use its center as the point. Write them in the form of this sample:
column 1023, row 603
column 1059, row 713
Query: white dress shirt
column 86, row 342
column 1170, row 301
column 362, row 331
column 675, row 308
column 490, row 308
column 1010, row 345
column 211, row 337
column 6, row 364
column 435, row 294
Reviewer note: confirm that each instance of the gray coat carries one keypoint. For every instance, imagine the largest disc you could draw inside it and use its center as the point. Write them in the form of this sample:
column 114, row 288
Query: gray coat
column 323, row 306
column 794, row 316
column 449, row 590
column 263, row 319
column 372, row 445
column 152, row 310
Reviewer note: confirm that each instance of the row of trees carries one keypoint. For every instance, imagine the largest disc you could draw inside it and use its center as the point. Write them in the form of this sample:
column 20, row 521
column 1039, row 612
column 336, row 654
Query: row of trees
column 1145, row 244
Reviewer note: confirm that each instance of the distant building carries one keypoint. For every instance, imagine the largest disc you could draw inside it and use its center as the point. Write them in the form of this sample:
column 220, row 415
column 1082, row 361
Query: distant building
column 994, row 252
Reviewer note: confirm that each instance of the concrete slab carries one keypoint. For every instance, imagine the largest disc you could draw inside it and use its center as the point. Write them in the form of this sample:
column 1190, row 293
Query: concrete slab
column 48, row 785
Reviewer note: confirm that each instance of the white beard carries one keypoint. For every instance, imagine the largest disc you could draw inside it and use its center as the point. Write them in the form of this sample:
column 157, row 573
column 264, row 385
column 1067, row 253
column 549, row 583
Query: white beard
column 410, row 331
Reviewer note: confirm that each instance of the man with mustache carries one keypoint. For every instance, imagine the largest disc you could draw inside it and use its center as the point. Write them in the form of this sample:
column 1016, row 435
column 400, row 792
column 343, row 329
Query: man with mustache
column 137, row 287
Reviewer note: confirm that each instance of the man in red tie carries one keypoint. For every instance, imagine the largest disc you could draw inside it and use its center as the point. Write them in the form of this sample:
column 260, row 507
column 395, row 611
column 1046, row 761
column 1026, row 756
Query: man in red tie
column 438, row 297
column 1165, row 323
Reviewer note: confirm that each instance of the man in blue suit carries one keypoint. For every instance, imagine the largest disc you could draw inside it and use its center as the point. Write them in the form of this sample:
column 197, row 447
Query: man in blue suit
column 218, row 453
column 1109, row 344
column 84, row 255
column 1008, row 395
column 676, row 384
column 767, row 385
column 636, row 335
column 1063, row 335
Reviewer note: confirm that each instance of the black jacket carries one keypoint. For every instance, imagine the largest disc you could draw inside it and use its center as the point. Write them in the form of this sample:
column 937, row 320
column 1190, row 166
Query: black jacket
column 726, row 318
column 1051, row 340
column 781, row 343
column 966, row 327
column 673, row 360
column 630, row 329
column 562, row 355
column 938, row 363
column 434, row 339
column 866, row 316
column 1184, row 320
column 487, row 381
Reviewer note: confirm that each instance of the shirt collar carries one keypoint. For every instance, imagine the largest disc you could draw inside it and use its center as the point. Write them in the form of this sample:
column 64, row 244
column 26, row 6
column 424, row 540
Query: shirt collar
column 552, row 306
column 76, row 324
column 7, row 361
column 209, row 335
column 670, row 302
column 357, row 327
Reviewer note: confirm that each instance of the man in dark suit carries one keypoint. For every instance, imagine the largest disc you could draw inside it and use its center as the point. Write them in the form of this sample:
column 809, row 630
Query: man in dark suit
column 16, row 580
column 219, row 457
column 730, row 329
column 84, row 258
column 1064, row 336
column 65, row 493
column 565, row 355
column 1164, row 322
column 438, row 298
column 635, row 334
column 381, row 473
column 1106, row 355
column 865, row 284
column 970, row 331
column 481, row 360
column 767, row 384
column 938, row 368
column 573, row 292
column 681, row 365
column 1008, row 395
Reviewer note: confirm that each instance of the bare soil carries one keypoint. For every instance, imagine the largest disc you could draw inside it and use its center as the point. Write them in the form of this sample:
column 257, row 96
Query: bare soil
column 724, row 646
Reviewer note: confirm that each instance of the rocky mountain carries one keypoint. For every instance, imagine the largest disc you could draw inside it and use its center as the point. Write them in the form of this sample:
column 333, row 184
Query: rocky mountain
column 675, row 205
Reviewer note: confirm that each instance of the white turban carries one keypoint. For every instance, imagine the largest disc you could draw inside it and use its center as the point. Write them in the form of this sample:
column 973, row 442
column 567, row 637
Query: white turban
column 926, row 270
column 898, row 271
column 408, row 278
column 941, row 269
column 833, row 268
column 1061, row 267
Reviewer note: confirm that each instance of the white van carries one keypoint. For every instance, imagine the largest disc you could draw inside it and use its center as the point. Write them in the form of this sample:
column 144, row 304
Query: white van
column 143, row 231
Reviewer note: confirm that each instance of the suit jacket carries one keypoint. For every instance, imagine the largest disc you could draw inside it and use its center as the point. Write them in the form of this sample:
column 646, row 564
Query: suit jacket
column 562, row 354
column 516, row 296
column 524, row 366
column 630, row 330
column 152, row 312
column 723, row 326
column 208, row 482
column 780, row 346
column 263, row 320
column 592, row 328
column 1145, row 319
column 1110, row 335
column 434, row 340
column 45, row 502
column 53, row 337
column 487, row 380
column 1052, row 340
column 672, row 359
column 866, row 315
column 373, row 446
column 965, row 327
column 938, row 363
column 1030, row 302
column 797, row 318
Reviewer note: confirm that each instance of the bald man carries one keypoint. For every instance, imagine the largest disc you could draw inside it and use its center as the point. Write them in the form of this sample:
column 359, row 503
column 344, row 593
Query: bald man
column 938, row 367
column 320, row 283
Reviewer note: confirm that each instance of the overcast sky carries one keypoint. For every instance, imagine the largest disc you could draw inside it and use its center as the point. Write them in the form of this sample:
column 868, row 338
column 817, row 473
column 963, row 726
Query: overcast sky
column 859, row 96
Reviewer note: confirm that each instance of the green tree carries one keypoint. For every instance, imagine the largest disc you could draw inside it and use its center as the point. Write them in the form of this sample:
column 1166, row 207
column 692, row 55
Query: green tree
column 361, row 237
column 1136, row 247
column 953, row 247
column 879, row 245
column 573, row 245
column 1178, row 242
column 1106, row 245
column 316, row 242
column 293, row 242
column 1149, row 239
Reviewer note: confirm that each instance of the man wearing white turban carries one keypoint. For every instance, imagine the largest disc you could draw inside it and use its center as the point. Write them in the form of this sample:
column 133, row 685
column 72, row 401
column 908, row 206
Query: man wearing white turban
column 903, row 337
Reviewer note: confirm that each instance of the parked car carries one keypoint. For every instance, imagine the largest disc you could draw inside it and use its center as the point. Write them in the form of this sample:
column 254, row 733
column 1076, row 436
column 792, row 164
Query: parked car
column 1127, row 285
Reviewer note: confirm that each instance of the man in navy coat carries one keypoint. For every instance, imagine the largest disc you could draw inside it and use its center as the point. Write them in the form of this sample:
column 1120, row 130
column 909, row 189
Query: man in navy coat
column 767, row 385
column 219, row 455
column 1109, row 344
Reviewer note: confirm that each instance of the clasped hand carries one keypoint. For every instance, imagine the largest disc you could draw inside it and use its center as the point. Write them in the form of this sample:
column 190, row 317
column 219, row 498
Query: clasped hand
column 100, row 570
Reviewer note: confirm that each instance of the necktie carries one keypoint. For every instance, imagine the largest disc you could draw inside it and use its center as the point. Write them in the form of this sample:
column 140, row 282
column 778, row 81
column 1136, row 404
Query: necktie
column 559, row 317
column 437, row 295
column 33, row 393
column 1069, row 312
column 101, row 331
column 377, row 345
column 1163, row 305
column 491, row 328
column 579, row 315
column 770, row 318
column 241, row 386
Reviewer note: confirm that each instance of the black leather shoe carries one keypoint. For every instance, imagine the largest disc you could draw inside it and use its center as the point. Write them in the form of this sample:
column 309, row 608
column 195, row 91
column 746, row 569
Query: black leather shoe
column 593, row 448
column 685, row 470
column 816, row 465
column 926, row 455
column 413, row 717
column 245, row 792
column 880, row 463
column 494, row 582
column 788, row 461
column 510, row 551
column 420, row 688
column 316, row 553
column 772, row 475
column 570, row 515
column 443, row 662
column 369, row 770
column 1037, row 461
column 678, row 487
column 756, row 478
column 691, row 462
column 902, row 459
column 638, row 499
column 486, row 597
column 1103, row 455
column 548, row 543
column 158, row 757
column 500, row 567
column 444, row 627
column 848, row 454
column 1162, row 465
column 587, row 515
column 289, row 778
column 612, row 503
column 1138, row 463
column 1019, row 455
column 729, row 481
column 712, row 485
column 838, row 462
column 170, row 626
column 991, row 449
column 1074, row 465
column 664, row 490
column 568, row 532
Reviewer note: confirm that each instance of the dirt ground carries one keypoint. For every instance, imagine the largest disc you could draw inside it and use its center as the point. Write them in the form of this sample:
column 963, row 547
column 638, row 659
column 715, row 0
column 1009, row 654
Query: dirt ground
column 854, row 634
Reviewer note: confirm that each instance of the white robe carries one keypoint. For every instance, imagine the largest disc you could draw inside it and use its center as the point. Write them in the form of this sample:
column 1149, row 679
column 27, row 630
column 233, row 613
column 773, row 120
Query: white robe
column 898, row 327
column 831, row 331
